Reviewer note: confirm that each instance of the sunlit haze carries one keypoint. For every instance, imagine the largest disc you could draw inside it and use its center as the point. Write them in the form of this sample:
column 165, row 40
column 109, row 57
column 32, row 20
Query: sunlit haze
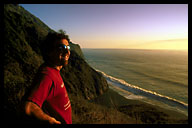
column 127, row 26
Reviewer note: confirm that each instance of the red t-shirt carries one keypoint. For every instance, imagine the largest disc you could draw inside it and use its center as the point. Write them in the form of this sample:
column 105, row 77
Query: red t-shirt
column 50, row 94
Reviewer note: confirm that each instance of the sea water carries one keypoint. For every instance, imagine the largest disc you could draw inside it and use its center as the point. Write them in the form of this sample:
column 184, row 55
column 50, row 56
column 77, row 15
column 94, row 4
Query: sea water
column 158, row 77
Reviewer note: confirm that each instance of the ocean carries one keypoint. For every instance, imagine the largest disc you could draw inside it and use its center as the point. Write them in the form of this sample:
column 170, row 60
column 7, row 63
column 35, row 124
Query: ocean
column 158, row 77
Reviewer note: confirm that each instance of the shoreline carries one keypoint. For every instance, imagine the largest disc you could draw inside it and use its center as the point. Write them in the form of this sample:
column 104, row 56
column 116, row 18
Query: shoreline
column 130, row 91
column 130, row 96
column 139, row 109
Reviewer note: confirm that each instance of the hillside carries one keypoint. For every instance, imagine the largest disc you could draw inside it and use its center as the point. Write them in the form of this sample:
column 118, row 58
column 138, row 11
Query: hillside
column 23, row 34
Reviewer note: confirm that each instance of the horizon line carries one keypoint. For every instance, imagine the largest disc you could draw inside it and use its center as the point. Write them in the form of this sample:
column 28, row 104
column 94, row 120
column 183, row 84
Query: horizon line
column 137, row 49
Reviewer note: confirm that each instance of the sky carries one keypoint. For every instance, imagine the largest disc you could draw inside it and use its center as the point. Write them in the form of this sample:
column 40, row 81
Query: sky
column 118, row 26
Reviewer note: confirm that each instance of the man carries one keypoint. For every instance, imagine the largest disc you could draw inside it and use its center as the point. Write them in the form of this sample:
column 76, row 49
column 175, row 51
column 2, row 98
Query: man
column 48, row 100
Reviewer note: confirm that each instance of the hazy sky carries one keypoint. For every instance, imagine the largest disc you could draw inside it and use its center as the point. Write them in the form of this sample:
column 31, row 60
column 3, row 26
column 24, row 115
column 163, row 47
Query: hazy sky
column 142, row 26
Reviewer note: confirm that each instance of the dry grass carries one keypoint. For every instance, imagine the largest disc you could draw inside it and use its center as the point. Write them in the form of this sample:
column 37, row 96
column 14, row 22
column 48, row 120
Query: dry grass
column 85, row 112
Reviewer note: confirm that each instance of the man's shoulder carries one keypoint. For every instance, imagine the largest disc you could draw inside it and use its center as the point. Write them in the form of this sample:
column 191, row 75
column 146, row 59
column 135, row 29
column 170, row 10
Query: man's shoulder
column 48, row 71
column 45, row 69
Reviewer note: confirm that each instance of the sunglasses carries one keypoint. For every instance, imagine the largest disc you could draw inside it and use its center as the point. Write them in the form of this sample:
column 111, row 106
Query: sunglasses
column 64, row 47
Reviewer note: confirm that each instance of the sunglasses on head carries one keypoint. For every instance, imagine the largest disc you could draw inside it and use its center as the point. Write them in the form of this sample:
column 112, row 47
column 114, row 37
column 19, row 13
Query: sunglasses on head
column 64, row 47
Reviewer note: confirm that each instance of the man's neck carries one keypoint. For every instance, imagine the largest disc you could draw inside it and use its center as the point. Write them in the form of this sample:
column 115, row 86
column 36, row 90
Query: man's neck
column 55, row 66
column 59, row 67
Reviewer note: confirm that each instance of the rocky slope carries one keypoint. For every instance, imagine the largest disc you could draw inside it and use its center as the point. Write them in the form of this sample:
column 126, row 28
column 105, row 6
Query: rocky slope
column 23, row 33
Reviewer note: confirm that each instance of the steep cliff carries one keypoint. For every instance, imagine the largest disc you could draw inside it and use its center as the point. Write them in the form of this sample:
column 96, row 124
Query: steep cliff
column 23, row 33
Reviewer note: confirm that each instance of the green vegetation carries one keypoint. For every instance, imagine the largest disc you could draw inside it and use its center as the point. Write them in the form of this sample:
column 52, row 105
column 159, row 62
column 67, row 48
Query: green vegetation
column 86, row 112
column 23, row 35
column 141, row 112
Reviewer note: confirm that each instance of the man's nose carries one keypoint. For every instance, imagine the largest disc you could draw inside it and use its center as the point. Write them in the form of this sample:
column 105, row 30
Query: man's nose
column 66, row 51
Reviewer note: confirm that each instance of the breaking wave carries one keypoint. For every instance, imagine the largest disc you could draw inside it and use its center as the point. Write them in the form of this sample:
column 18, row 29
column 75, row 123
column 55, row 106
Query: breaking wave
column 143, row 92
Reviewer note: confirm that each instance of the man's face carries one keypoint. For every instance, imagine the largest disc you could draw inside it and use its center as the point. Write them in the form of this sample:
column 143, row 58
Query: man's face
column 61, row 53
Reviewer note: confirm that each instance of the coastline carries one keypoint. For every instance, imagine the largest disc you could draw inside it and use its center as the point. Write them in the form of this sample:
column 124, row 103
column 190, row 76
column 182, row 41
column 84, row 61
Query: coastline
column 140, row 110
column 131, row 96
column 130, row 91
